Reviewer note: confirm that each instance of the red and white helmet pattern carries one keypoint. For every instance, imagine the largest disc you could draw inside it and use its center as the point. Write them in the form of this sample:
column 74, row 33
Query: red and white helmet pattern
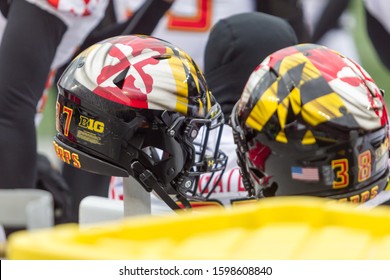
column 135, row 72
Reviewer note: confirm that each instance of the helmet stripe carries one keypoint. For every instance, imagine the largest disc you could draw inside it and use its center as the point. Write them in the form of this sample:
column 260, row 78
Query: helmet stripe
column 181, row 87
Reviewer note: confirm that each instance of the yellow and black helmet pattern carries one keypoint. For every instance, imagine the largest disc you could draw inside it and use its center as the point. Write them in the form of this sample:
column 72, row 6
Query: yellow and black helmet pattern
column 314, row 84
column 310, row 121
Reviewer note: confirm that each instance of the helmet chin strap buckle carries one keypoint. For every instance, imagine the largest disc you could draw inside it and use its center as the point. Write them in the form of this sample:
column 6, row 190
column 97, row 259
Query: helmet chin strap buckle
column 150, row 183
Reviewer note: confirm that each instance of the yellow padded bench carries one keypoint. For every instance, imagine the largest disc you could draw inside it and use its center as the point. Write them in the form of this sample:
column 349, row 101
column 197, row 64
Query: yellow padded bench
column 273, row 228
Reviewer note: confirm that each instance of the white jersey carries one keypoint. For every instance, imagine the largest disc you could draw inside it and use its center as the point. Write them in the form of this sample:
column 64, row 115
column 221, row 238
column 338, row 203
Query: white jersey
column 188, row 22
column 80, row 16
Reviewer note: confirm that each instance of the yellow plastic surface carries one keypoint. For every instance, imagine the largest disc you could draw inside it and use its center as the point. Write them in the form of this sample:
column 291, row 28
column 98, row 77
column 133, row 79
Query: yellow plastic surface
column 274, row 228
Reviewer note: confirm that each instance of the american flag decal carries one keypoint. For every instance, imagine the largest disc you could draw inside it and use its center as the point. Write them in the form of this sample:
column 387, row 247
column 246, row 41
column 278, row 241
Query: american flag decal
column 305, row 173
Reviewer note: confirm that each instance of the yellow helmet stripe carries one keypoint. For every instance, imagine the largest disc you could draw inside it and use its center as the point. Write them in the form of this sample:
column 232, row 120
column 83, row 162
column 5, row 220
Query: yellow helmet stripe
column 308, row 138
column 322, row 109
column 310, row 72
column 181, row 87
column 265, row 107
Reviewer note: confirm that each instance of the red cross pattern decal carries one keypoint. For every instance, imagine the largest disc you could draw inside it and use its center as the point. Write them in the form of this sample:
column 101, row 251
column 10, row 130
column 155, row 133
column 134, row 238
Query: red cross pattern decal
column 129, row 94
column 332, row 68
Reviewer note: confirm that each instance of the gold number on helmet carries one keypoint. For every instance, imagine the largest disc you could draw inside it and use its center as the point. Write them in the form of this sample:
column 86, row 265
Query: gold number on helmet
column 68, row 112
column 341, row 168
column 364, row 161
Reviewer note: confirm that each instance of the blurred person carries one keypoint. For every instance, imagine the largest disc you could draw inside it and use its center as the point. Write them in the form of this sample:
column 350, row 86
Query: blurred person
column 235, row 46
column 38, row 36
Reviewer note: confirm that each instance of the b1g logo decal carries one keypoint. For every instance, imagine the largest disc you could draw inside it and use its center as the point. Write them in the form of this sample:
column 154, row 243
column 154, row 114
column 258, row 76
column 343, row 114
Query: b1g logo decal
column 91, row 124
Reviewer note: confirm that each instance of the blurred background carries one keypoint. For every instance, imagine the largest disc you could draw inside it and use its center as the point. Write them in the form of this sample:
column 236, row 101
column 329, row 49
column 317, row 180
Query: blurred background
column 368, row 59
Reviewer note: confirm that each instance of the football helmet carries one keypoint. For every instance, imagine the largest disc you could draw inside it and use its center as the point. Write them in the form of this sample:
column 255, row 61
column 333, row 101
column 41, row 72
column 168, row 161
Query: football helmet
column 139, row 106
column 312, row 122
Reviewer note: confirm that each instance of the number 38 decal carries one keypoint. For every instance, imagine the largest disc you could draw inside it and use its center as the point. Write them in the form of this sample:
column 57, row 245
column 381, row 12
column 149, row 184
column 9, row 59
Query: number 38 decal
column 342, row 171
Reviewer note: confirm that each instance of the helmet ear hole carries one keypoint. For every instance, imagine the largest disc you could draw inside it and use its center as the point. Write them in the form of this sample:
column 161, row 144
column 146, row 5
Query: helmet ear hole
column 161, row 57
column 155, row 154
column 119, row 81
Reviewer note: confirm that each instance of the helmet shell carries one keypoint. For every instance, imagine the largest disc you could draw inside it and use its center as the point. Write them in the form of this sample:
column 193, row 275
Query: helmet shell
column 312, row 122
column 134, row 99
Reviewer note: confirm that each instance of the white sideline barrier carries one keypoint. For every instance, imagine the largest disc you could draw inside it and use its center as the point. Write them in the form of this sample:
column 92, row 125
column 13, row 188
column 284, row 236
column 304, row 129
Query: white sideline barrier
column 96, row 209
column 29, row 208
column 2, row 236
column 136, row 201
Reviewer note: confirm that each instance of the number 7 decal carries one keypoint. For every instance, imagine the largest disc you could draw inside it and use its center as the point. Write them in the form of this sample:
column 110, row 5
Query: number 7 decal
column 68, row 112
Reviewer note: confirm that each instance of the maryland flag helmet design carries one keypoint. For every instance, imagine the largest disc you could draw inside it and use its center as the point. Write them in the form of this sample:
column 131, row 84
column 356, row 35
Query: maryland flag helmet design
column 139, row 106
column 312, row 122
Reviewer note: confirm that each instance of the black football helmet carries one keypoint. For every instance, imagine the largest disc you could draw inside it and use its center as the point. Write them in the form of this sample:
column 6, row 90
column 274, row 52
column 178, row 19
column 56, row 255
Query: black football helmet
column 312, row 122
column 139, row 106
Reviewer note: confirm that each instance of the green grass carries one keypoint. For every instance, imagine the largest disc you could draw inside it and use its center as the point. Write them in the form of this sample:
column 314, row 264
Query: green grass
column 47, row 125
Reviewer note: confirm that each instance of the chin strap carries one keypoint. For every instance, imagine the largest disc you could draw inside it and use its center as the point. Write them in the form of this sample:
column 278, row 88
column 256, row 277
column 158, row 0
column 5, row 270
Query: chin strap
column 150, row 183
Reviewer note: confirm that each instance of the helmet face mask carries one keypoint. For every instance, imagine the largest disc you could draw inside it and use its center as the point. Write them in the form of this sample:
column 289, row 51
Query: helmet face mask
column 312, row 122
column 134, row 106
